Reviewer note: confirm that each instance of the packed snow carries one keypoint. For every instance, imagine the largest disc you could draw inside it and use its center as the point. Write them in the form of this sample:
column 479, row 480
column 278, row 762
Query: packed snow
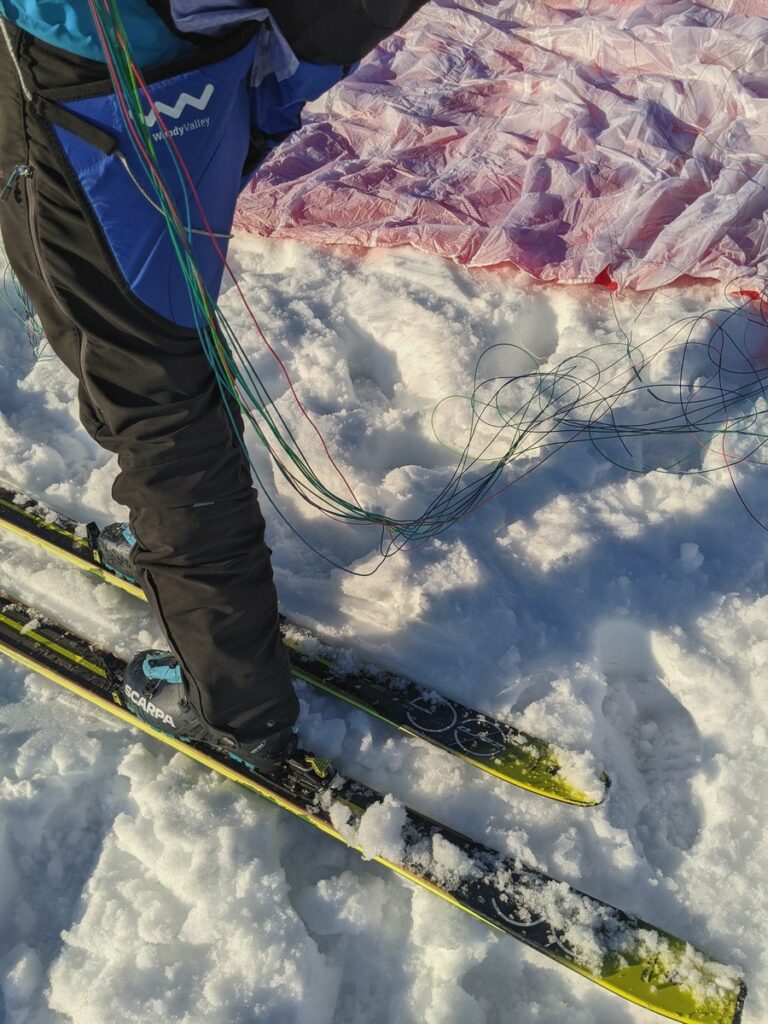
column 622, row 614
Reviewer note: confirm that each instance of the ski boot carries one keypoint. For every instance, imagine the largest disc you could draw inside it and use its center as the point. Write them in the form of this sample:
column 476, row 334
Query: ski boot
column 154, row 690
column 115, row 544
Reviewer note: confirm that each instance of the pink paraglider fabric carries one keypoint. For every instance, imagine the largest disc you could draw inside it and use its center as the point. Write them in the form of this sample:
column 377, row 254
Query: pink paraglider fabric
column 617, row 141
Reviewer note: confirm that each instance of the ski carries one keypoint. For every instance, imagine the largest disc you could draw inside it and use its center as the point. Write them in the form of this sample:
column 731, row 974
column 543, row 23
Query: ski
column 622, row 953
column 493, row 746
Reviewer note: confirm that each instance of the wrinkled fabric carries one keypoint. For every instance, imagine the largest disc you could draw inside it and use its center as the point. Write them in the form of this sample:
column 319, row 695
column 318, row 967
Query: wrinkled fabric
column 581, row 140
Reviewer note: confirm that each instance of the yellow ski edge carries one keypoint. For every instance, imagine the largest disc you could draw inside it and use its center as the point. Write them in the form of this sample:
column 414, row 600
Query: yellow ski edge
column 74, row 559
column 234, row 775
column 576, row 799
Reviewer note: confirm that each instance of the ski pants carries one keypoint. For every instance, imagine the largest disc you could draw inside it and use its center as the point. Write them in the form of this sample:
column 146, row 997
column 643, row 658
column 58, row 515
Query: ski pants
column 146, row 392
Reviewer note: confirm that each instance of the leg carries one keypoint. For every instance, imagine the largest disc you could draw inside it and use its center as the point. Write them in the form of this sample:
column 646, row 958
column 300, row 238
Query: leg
column 147, row 393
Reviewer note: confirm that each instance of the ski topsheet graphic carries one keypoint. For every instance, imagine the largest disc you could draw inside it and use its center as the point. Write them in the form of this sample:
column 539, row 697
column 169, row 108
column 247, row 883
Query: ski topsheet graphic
column 621, row 953
column 491, row 745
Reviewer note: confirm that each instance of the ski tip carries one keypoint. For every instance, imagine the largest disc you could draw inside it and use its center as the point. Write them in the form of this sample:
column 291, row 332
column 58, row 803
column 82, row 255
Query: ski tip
column 563, row 775
column 606, row 782
column 740, row 1000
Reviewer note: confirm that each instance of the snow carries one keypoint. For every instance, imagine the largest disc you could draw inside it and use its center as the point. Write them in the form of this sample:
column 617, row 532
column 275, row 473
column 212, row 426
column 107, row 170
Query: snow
column 377, row 833
column 619, row 613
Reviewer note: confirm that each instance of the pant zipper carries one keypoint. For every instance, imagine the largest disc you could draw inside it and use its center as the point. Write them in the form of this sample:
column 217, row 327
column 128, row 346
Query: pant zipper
column 21, row 171
column 32, row 222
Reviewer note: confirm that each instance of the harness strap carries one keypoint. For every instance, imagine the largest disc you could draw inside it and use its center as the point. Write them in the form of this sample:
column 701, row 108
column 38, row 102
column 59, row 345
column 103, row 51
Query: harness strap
column 70, row 122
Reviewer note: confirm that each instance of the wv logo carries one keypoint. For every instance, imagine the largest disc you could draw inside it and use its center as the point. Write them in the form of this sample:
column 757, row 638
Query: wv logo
column 181, row 104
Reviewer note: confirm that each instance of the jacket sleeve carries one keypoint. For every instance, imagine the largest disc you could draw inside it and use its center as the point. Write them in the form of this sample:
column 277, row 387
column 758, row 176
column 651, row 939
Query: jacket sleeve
column 339, row 31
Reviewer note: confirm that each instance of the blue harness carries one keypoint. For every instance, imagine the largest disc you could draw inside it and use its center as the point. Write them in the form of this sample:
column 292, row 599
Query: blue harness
column 213, row 106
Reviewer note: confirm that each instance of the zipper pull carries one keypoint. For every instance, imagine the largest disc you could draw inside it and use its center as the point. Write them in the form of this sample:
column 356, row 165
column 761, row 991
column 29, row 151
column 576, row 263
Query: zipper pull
column 22, row 171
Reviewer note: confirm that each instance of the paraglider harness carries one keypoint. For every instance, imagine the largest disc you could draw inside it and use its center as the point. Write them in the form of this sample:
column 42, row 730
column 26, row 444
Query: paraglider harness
column 215, row 112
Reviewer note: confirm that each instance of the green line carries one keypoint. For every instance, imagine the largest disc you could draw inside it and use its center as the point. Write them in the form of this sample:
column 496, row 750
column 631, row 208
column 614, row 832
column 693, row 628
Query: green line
column 69, row 534
column 76, row 659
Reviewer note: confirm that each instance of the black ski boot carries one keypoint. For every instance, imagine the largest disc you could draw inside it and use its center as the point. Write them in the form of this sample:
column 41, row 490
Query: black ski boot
column 115, row 544
column 154, row 690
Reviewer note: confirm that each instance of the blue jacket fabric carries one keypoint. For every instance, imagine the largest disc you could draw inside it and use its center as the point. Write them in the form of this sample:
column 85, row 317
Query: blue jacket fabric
column 70, row 27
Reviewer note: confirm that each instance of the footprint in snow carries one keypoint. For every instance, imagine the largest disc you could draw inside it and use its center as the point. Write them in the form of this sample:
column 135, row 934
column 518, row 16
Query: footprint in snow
column 662, row 745
column 372, row 366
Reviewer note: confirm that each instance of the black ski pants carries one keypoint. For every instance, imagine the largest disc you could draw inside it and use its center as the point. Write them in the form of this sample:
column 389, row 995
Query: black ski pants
column 147, row 393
